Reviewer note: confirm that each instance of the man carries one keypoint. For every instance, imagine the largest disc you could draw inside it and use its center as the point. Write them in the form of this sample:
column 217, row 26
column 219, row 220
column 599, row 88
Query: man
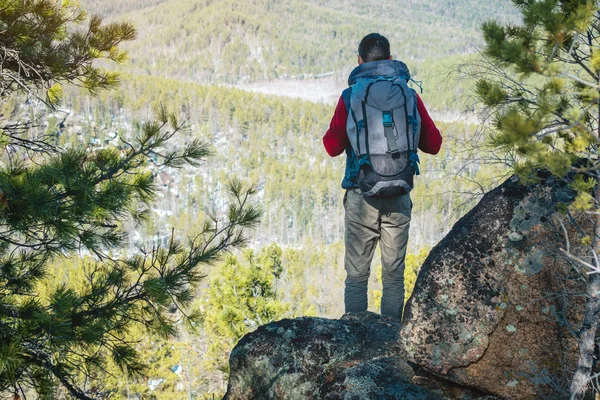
column 372, row 219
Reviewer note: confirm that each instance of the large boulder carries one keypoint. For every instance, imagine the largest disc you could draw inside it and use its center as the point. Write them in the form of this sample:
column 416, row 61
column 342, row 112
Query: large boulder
column 493, row 301
column 356, row 357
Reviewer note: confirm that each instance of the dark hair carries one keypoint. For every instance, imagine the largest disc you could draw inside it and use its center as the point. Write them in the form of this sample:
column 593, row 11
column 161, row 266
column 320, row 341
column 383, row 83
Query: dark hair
column 374, row 47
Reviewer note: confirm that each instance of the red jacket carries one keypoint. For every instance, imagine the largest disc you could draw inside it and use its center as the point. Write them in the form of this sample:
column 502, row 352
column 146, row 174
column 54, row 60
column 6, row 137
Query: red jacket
column 336, row 139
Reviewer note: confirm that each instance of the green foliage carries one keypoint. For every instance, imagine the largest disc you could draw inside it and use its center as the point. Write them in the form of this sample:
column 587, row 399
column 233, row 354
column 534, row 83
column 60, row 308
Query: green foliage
column 584, row 201
column 491, row 93
column 241, row 297
column 545, row 100
column 57, row 203
column 412, row 265
column 312, row 280
column 41, row 49
column 582, row 184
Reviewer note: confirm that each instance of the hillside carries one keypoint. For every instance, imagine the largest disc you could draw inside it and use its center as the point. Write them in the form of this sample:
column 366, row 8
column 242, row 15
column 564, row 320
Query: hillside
column 245, row 41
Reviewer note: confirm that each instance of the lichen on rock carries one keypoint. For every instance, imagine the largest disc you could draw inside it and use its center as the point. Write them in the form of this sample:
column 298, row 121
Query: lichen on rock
column 503, row 275
column 357, row 357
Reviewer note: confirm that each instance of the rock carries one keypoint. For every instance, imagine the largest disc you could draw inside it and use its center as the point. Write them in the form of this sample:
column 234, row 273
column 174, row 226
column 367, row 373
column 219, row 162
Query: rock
column 486, row 307
column 357, row 357
column 382, row 378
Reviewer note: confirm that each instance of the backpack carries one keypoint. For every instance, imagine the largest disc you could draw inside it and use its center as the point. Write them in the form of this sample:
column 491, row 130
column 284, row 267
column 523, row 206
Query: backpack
column 383, row 128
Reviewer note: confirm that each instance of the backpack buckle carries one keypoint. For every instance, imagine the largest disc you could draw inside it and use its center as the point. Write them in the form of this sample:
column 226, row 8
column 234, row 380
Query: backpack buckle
column 388, row 120
column 414, row 162
column 360, row 126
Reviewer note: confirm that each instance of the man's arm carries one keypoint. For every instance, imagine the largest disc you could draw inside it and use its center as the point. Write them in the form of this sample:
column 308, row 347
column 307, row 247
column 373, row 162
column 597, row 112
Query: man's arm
column 336, row 138
column 430, row 140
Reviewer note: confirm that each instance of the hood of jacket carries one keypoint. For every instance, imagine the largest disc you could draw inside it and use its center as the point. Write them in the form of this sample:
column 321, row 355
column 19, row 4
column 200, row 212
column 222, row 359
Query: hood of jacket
column 379, row 68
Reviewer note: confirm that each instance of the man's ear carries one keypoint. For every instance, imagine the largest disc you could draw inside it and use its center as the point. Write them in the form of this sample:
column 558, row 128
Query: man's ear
column 391, row 57
column 360, row 60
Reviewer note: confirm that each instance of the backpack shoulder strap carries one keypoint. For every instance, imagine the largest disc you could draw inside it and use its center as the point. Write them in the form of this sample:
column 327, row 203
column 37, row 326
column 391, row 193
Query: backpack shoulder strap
column 346, row 94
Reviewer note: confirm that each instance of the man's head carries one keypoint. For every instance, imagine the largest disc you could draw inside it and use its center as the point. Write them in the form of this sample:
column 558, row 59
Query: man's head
column 373, row 47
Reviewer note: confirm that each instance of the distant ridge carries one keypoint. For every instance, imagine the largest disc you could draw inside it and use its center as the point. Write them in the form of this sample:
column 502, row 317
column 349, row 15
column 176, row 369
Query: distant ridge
column 232, row 41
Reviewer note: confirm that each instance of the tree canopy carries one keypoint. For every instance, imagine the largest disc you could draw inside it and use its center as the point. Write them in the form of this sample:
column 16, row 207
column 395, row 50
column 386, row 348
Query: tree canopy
column 57, row 203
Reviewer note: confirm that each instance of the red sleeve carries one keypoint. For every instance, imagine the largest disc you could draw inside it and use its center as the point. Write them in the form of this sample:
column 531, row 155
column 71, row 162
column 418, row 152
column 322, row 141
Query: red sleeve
column 336, row 138
column 430, row 140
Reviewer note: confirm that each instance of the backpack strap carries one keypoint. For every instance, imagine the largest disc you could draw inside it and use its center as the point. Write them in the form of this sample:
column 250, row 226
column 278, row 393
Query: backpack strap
column 346, row 94
column 414, row 162
column 366, row 127
column 418, row 83
column 388, row 131
column 360, row 125
column 413, row 121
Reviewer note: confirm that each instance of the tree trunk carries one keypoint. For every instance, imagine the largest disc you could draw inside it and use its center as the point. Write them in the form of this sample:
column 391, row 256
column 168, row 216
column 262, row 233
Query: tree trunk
column 587, row 340
column 587, row 333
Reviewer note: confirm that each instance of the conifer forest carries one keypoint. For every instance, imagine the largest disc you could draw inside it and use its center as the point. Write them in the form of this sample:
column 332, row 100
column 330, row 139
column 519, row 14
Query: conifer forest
column 164, row 189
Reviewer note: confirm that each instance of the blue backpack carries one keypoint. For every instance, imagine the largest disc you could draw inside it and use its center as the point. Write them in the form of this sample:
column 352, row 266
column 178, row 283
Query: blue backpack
column 383, row 128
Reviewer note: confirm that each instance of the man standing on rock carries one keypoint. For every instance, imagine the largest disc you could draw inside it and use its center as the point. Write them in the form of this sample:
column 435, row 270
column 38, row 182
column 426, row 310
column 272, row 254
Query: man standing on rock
column 379, row 122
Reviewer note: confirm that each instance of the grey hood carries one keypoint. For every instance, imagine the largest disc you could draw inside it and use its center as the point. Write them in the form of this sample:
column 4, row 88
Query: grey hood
column 379, row 68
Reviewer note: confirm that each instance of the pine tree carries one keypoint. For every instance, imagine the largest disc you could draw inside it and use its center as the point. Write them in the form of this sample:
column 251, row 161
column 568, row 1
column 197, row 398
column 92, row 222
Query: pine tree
column 242, row 296
column 543, row 85
column 57, row 203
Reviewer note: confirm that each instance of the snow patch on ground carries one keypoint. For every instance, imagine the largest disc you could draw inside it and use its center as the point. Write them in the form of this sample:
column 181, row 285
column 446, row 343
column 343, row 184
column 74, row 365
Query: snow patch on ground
column 327, row 90
column 317, row 90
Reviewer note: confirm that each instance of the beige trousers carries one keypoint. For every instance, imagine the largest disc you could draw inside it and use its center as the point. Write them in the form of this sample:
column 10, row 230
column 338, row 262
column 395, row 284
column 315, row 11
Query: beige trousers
column 369, row 220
